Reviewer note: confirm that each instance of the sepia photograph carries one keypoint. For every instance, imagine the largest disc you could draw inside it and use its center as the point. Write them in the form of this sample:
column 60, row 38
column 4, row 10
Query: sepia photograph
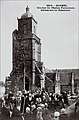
column 39, row 56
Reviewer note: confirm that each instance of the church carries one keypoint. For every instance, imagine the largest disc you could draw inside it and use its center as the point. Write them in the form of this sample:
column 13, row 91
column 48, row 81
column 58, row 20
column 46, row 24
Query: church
column 28, row 71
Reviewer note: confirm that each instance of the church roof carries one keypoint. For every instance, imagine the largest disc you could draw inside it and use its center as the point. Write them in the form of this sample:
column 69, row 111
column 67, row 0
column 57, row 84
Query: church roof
column 27, row 14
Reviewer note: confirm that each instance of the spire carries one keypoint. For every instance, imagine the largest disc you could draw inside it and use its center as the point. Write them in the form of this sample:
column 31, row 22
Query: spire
column 27, row 9
column 27, row 14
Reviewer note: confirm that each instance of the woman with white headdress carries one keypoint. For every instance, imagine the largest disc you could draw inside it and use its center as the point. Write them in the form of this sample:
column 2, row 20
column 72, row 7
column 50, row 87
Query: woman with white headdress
column 63, row 114
column 56, row 115
column 39, row 114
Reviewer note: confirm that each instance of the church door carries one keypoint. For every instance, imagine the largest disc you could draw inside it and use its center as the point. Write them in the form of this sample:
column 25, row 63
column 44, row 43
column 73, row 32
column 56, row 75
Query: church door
column 26, row 84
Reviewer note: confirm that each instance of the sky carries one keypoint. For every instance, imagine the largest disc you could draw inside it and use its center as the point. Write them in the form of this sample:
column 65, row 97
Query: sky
column 58, row 31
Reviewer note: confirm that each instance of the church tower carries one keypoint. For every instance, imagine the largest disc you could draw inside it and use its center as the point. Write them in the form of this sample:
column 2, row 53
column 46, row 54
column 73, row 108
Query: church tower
column 26, row 61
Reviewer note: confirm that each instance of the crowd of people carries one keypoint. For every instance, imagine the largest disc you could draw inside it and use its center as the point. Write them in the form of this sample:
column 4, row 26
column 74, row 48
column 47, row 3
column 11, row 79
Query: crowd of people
column 37, row 105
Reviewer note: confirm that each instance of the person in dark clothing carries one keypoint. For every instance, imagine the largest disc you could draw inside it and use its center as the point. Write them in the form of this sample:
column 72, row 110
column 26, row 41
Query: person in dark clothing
column 56, row 101
column 33, row 111
column 46, row 113
column 60, row 102
column 65, row 98
column 24, row 101
column 29, row 115
column 22, row 104
column 12, row 105
column 77, row 105
column 6, row 98
column 26, row 104
column 10, row 95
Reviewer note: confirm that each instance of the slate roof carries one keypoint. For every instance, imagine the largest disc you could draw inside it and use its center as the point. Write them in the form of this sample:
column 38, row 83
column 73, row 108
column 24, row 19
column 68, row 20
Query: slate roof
column 65, row 78
column 65, row 75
